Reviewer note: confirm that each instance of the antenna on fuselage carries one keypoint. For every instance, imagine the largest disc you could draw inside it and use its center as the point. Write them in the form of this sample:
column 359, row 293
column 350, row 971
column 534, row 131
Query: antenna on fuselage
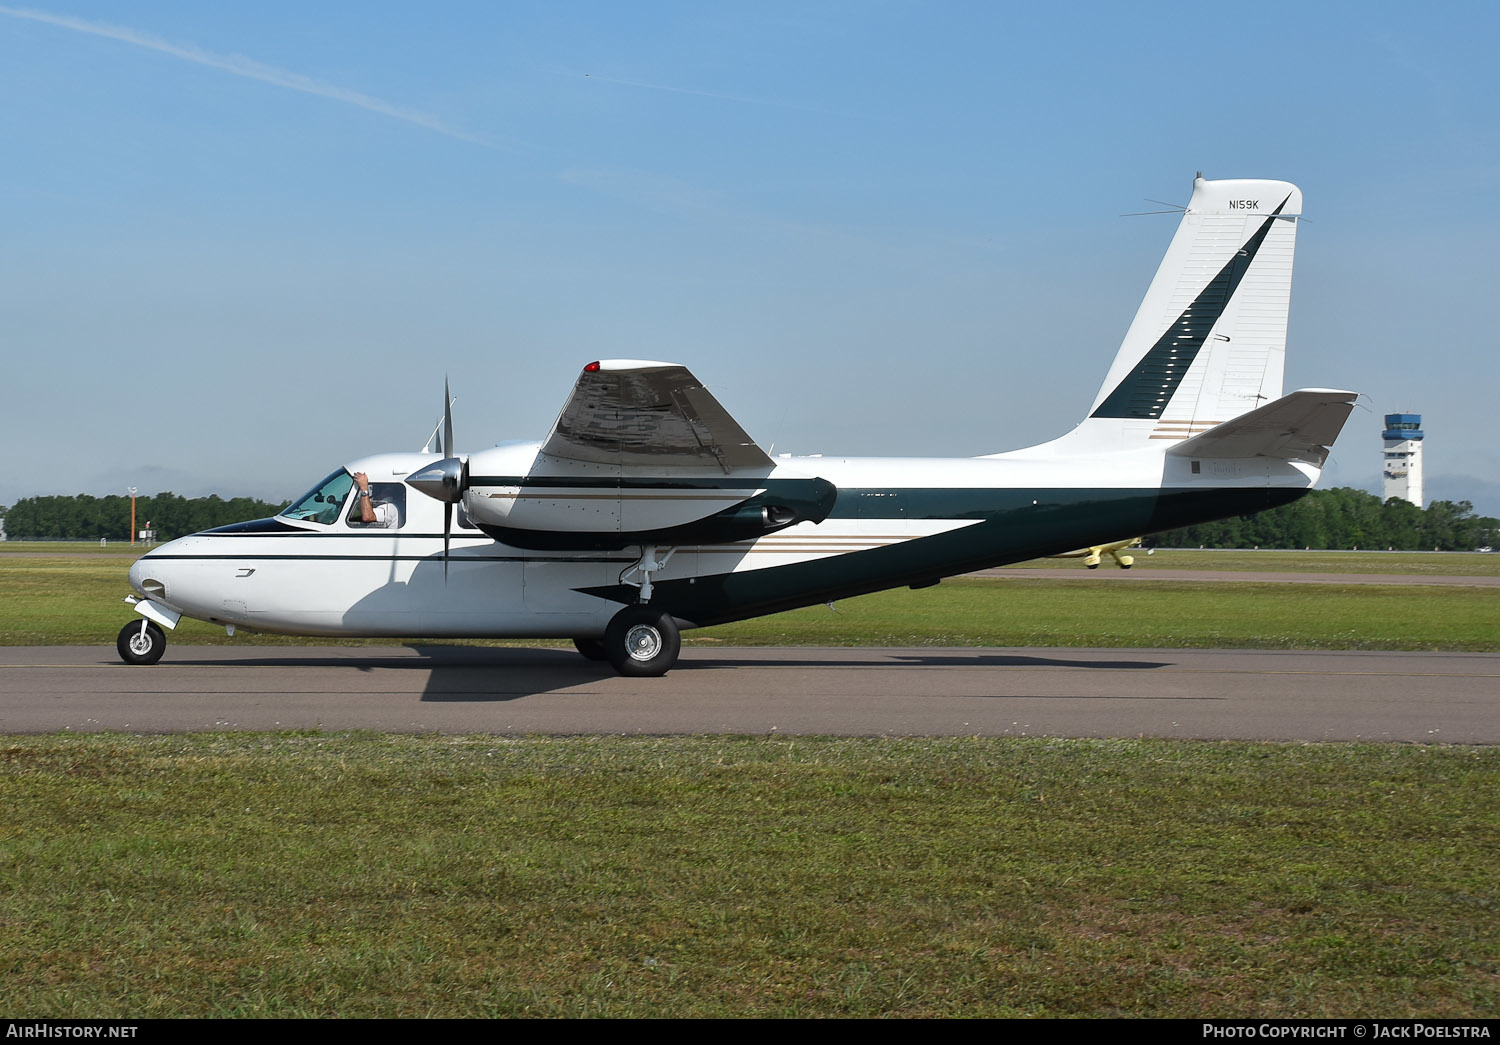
column 447, row 414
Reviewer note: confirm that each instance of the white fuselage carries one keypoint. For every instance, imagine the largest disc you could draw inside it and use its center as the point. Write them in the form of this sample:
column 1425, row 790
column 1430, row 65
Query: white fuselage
column 339, row 578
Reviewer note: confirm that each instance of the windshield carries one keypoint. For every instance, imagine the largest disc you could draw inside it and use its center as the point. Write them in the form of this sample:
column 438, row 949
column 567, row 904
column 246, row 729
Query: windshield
column 321, row 503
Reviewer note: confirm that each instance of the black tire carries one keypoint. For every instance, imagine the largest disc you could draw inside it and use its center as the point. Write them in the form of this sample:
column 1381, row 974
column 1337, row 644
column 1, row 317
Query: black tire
column 592, row 649
column 141, row 642
column 642, row 642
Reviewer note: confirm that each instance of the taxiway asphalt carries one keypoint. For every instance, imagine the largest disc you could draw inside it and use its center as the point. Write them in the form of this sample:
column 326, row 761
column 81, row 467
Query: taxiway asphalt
column 1202, row 694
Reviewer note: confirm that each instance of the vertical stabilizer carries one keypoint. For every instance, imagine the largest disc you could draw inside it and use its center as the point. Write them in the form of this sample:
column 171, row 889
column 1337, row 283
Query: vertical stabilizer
column 1209, row 341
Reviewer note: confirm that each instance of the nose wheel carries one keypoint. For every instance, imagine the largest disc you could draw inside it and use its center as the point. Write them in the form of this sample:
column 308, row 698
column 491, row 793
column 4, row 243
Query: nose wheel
column 642, row 642
column 141, row 642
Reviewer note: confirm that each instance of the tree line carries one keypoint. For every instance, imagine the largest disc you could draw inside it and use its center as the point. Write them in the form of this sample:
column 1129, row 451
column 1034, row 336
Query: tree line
column 87, row 517
column 1338, row 518
column 1345, row 518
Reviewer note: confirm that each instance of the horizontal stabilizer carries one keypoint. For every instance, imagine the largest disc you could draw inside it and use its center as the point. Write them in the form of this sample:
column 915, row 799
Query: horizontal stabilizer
column 1297, row 427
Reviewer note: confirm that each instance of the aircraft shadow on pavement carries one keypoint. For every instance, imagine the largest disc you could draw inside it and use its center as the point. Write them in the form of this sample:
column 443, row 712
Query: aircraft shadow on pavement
column 514, row 673
column 367, row 658
column 504, row 673
column 497, row 674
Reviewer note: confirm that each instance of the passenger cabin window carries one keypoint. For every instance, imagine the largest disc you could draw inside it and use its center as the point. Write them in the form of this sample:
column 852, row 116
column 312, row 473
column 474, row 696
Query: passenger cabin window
column 392, row 494
column 321, row 504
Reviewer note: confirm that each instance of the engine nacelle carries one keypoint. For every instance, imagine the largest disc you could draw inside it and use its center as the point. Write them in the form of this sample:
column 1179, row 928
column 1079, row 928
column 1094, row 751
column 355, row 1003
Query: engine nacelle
column 809, row 501
column 527, row 499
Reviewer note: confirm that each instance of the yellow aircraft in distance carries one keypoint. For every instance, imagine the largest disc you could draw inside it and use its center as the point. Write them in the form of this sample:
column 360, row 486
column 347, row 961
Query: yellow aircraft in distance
column 1091, row 556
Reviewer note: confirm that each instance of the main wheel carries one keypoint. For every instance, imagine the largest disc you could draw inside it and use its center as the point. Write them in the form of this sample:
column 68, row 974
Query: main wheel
column 141, row 642
column 593, row 649
column 642, row 642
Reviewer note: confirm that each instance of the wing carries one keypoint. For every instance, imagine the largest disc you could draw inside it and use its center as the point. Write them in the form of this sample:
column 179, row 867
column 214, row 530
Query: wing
column 633, row 411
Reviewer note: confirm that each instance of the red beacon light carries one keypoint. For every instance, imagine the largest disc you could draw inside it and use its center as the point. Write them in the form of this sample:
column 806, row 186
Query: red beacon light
column 592, row 368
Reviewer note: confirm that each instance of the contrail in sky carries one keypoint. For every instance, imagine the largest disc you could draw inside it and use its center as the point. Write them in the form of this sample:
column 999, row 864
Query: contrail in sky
column 239, row 65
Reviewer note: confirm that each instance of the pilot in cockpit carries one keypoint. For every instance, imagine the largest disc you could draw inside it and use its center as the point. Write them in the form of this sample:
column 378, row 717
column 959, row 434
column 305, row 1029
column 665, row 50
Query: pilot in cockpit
column 373, row 513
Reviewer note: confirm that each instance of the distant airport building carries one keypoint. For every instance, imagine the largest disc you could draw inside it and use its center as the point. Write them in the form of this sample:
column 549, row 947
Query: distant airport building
column 1403, row 457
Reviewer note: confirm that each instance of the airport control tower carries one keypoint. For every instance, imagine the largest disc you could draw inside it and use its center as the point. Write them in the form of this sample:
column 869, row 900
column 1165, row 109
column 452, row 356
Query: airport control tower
column 1403, row 457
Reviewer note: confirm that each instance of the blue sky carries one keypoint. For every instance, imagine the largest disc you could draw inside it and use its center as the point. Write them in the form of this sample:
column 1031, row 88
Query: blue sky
column 244, row 243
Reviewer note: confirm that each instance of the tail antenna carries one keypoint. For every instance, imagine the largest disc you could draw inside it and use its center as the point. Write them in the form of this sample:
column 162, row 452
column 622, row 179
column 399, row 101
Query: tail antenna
column 1173, row 208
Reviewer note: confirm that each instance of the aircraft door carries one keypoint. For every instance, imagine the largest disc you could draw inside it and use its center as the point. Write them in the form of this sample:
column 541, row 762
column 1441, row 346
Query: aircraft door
column 549, row 583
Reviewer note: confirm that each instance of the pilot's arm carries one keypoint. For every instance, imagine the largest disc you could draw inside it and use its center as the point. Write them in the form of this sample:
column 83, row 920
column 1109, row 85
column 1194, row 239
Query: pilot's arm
column 367, row 510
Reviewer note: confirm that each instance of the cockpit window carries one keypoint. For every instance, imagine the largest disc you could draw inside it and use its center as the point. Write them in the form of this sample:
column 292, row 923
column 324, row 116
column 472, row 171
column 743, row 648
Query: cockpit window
column 321, row 504
column 392, row 494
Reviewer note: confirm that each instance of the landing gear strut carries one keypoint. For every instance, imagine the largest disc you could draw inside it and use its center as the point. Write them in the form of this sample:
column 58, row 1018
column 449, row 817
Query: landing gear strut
column 141, row 642
column 642, row 642
column 646, row 565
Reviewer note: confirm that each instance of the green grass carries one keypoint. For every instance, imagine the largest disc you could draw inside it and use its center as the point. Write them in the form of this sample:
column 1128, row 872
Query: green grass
column 71, row 548
column 1042, row 612
column 76, row 600
column 360, row 875
column 1432, row 564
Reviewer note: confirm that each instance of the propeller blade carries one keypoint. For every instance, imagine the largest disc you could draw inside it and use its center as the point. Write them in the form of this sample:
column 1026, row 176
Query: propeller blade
column 447, row 530
column 444, row 480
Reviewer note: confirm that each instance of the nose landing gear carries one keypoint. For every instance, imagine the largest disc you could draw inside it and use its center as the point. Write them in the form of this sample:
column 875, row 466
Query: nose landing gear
column 141, row 642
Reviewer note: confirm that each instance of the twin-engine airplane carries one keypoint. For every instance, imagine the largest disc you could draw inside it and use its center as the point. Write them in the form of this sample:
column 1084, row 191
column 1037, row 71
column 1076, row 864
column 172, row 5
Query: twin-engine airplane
column 648, row 509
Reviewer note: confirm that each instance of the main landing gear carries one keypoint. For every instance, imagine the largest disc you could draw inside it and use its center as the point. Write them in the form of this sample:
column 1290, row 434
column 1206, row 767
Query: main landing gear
column 642, row 642
column 141, row 642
